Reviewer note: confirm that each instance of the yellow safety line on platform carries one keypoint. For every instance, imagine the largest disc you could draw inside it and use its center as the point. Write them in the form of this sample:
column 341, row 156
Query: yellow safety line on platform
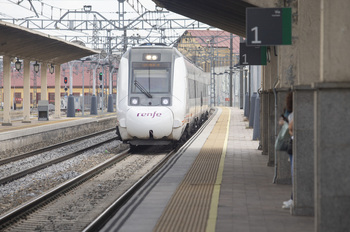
column 213, row 213
column 194, row 202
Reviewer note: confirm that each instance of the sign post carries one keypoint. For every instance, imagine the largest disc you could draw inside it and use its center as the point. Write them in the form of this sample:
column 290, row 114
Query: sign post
column 252, row 55
column 268, row 26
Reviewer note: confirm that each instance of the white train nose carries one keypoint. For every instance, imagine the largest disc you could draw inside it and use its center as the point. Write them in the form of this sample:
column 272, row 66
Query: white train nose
column 149, row 122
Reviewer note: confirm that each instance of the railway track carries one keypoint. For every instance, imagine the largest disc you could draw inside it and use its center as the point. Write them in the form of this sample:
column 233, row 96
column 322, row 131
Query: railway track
column 23, row 210
column 51, row 162
column 93, row 196
column 33, row 211
column 24, row 179
column 49, row 148
column 155, row 173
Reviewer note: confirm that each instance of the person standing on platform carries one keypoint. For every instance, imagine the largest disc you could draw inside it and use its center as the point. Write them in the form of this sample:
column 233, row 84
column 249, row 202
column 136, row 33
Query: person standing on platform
column 288, row 116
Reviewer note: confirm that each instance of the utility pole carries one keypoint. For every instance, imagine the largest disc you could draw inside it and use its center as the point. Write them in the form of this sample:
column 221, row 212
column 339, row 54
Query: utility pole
column 241, row 82
column 231, row 67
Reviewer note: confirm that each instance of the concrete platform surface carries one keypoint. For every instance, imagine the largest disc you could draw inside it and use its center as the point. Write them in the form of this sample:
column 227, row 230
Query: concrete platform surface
column 248, row 200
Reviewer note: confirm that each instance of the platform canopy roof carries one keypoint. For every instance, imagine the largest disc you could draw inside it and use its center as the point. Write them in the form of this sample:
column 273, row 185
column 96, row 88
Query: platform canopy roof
column 17, row 41
column 228, row 15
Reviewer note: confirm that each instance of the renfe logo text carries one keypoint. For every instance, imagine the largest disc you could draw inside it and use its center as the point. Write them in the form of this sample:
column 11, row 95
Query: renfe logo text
column 151, row 115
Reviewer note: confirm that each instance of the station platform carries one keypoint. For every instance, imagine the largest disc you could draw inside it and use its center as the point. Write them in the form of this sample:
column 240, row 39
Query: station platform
column 23, row 137
column 17, row 124
column 220, row 183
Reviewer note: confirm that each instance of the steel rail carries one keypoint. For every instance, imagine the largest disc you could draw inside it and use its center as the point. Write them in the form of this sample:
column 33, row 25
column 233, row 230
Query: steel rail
column 51, row 162
column 26, row 208
column 49, row 148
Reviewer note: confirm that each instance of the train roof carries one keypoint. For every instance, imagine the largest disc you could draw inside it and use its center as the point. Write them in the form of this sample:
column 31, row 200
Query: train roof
column 152, row 46
column 163, row 46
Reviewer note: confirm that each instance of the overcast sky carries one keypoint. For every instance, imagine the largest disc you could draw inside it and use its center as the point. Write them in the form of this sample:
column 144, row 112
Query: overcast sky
column 10, row 8
column 109, row 9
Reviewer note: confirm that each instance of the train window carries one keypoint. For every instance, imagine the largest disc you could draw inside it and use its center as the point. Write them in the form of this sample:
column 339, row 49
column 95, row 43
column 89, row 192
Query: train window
column 191, row 88
column 153, row 80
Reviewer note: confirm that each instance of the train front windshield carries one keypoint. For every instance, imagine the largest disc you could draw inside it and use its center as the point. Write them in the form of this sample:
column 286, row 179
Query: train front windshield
column 152, row 79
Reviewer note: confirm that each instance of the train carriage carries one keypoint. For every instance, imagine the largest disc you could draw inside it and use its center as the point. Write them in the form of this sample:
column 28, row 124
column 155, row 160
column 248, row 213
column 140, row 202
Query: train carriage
column 161, row 96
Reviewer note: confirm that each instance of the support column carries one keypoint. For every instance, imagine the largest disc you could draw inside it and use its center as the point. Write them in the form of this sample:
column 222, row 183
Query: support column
column 241, row 94
column 70, row 105
column 287, row 57
column 93, row 107
column 332, row 159
column 308, row 73
column 270, row 80
column 44, row 81
column 110, row 96
column 264, row 122
column 57, row 91
column 303, row 151
column 26, row 91
column 7, row 91
column 332, row 110
column 271, row 129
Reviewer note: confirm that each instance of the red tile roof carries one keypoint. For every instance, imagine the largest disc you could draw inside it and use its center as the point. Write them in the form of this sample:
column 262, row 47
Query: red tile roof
column 221, row 38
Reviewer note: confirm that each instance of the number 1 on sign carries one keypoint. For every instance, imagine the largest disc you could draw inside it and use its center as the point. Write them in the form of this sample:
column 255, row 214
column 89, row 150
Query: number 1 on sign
column 255, row 41
column 245, row 59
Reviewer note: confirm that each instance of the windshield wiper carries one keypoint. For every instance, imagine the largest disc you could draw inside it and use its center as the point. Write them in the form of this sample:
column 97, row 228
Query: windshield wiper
column 142, row 89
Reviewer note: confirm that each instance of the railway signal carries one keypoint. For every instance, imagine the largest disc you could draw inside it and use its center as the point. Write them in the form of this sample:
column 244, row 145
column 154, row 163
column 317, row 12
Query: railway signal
column 65, row 80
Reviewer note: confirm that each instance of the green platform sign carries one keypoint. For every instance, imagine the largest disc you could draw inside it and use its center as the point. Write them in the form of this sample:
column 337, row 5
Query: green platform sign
column 268, row 26
column 252, row 55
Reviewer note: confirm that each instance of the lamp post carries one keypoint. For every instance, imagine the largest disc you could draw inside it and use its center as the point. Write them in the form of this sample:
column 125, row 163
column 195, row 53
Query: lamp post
column 36, row 70
column 18, row 65
column 36, row 67
column 51, row 69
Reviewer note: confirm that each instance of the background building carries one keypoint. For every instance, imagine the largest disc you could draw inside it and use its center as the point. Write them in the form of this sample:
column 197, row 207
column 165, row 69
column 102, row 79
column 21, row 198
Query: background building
column 78, row 84
column 211, row 50
column 208, row 48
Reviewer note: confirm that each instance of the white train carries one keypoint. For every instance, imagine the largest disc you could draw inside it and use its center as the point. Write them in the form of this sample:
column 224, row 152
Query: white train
column 161, row 96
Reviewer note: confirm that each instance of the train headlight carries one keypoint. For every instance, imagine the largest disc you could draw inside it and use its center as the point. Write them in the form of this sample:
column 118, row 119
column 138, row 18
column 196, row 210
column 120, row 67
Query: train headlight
column 165, row 101
column 134, row 101
column 151, row 57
